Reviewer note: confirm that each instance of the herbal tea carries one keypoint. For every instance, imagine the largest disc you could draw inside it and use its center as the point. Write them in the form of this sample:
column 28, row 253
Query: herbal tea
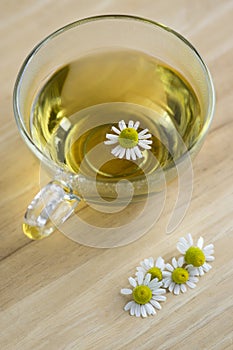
column 81, row 102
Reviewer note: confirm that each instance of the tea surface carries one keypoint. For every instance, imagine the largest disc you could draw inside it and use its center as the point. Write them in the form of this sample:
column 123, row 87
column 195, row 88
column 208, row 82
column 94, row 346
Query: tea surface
column 80, row 103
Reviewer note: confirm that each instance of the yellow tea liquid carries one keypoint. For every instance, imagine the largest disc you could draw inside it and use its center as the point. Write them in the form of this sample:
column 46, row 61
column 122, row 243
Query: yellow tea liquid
column 80, row 103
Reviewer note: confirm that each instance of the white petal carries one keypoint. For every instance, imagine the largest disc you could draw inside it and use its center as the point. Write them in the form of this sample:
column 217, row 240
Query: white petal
column 112, row 137
column 149, row 308
column 177, row 289
column 167, row 282
column 116, row 130
column 141, row 269
column 158, row 291
column 144, row 137
column 200, row 242
column 140, row 278
column 130, row 124
column 136, row 125
column 136, row 275
column 174, row 263
column 145, row 266
column 151, row 261
column 148, row 142
column 180, row 261
column 122, row 125
column 137, row 310
column 156, row 304
column 122, row 153
column 132, row 281
column 169, row 267
column 192, row 270
column 171, row 287
column 184, row 242
column 154, row 284
column 153, row 311
column 159, row 297
column 209, row 246
column 116, row 150
column 183, row 288
column 208, row 252
column 206, row 267
column 133, row 155
column 160, row 263
column 132, row 309
column 126, row 291
column 147, row 279
column 194, row 274
column 128, row 154
column 182, row 249
column 110, row 142
column 166, row 273
column 200, row 271
column 190, row 239
column 210, row 258
column 146, row 262
column 143, row 311
column 137, row 152
column 143, row 132
column 128, row 305
column 191, row 284
column 144, row 145
column 193, row 279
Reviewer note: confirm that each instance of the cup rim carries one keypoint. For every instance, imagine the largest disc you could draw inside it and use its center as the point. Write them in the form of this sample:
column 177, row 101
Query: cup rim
column 16, row 108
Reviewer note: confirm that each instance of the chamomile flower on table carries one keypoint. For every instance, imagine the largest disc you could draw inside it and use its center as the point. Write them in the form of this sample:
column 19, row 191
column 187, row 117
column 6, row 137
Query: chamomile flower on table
column 178, row 276
column 129, row 142
column 152, row 266
column 196, row 255
column 146, row 295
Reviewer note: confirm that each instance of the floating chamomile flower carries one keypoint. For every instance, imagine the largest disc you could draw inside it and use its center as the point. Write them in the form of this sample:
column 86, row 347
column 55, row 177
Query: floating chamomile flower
column 154, row 267
column 177, row 276
column 129, row 140
column 146, row 295
column 196, row 255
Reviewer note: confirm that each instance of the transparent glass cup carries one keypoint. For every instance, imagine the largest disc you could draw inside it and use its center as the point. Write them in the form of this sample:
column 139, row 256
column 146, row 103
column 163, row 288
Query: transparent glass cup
column 55, row 203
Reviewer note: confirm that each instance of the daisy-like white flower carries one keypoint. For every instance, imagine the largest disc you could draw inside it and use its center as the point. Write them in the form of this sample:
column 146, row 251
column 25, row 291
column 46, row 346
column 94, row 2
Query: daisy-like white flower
column 154, row 267
column 130, row 141
column 177, row 276
column 196, row 255
column 146, row 295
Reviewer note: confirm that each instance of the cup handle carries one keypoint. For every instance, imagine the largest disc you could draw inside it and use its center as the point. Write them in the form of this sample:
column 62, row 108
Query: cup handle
column 53, row 205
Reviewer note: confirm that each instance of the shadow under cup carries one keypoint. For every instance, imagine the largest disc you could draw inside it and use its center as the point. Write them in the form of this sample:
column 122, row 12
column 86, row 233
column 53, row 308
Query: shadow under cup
column 113, row 212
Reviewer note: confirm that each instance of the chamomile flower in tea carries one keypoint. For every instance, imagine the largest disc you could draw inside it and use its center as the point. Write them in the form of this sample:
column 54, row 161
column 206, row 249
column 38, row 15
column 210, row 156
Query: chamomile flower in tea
column 130, row 141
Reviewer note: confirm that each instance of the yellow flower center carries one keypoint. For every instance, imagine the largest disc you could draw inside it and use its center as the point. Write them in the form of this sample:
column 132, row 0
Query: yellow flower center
column 142, row 294
column 180, row 275
column 195, row 256
column 128, row 138
column 155, row 273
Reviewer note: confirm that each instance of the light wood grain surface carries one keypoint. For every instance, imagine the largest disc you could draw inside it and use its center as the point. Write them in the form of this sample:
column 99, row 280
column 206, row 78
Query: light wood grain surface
column 57, row 294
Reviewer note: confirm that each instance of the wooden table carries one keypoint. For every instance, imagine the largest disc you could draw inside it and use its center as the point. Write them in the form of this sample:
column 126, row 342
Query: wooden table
column 57, row 294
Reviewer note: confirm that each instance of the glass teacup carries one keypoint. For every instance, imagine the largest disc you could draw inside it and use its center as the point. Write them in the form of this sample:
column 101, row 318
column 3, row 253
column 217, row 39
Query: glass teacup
column 113, row 106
